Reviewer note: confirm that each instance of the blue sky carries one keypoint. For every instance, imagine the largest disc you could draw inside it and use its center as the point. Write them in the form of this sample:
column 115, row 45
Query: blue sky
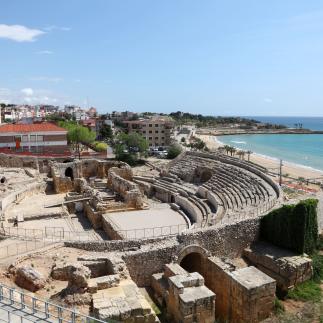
column 210, row 57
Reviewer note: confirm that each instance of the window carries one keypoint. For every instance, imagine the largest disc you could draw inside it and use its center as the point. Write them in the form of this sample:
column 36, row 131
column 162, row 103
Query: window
column 162, row 138
column 144, row 131
column 33, row 138
column 150, row 138
column 40, row 138
column 150, row 131
column 163, row 131
column 156, row 125
column 156, row 131
column 24, row 138
column 156, row 138
column 150, row 125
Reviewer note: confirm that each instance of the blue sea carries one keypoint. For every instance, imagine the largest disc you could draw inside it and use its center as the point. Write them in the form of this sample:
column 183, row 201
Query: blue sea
column 306, row 150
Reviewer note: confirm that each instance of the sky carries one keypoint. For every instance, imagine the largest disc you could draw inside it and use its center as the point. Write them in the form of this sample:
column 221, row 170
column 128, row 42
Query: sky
column 242, row 57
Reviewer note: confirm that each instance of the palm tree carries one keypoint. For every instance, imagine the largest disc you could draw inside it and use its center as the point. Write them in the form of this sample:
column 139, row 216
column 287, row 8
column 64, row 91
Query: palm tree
column 232, row 151
column 227, row 148
column 249, row 152
column 241, row 154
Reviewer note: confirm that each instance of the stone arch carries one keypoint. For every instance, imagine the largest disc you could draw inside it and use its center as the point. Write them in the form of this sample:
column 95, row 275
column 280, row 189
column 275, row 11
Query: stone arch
column 192, row 249
column 193, row 259
column 2, row 180
column 69, row 173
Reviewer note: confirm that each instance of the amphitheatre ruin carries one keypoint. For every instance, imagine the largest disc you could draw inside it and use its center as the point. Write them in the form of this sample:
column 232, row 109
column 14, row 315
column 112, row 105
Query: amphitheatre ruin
column 117, row 242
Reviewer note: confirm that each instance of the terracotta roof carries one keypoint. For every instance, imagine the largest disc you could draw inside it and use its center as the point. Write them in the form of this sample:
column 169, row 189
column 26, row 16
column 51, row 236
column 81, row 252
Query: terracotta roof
column 35, row 127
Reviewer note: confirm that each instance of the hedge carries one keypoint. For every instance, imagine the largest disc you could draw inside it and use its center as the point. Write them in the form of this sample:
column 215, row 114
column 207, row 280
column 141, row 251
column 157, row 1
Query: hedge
column 292, row 226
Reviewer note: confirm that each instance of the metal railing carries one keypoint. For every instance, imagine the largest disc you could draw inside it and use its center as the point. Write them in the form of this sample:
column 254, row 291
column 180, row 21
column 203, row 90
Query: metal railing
column 152, row 232
column 18, row 248
column 42, row 309
column 8, row 316
column 53, row 234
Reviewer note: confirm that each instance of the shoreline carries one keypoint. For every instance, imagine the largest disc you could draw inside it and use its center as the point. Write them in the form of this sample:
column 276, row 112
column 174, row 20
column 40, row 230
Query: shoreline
column 232, row 131
column 292, row 169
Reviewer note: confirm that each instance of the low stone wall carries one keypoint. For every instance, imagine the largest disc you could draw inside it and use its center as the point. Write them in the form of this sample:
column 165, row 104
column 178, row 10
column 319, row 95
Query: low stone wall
column 39, row 163
column 28, row 190
column 286, row 267
column 119, row 179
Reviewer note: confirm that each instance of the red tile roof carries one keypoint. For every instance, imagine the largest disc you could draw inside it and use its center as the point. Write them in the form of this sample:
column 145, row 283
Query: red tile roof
column 35, row 127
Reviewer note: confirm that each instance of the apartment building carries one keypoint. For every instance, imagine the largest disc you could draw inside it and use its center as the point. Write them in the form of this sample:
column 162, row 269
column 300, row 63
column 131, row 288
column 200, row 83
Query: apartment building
column 157, row 130
column 38, row 138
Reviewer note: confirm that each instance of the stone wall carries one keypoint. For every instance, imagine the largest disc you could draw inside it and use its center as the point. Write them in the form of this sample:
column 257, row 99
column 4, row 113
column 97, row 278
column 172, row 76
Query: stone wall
column 184, row 294
column 242, row 295
column 148, row 256
column 39, row 163
column 286, row 267
column 119, row 179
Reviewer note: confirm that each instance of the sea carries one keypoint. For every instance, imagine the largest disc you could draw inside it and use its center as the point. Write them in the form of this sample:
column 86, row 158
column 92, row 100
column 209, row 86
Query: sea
column 301, row 149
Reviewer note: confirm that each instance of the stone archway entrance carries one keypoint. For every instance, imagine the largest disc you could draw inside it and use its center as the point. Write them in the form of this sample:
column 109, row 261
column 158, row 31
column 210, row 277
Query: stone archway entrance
column 69, row 173
column 192, row 259
column 193, row 262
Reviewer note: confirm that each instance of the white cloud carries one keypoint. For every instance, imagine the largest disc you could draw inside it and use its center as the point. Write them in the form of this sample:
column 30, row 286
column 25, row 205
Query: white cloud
column 45, row 52
column 27, row 91
column 31, row 96
column 53, row 27
column 268, row 100
column 19, row 33
column 46, row 79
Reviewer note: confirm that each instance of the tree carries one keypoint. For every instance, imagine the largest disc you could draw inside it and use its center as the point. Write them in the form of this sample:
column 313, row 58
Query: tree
column 173, row 151
column 106, row 132
column 227, row 148
column 232, row 150
column 78, row 136
column 130, row 147
column 241, row 154
column 249, row 152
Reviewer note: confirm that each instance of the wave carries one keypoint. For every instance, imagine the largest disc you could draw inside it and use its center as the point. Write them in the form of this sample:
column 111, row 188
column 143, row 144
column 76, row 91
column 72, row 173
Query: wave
column 239, row 142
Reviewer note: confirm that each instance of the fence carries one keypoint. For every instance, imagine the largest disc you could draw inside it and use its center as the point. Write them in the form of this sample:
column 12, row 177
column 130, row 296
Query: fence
column 45, row 311
column 15, row 249
column 53, row 234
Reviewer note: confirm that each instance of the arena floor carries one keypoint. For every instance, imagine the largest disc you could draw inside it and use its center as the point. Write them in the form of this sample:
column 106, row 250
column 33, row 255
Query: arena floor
column 156, row 221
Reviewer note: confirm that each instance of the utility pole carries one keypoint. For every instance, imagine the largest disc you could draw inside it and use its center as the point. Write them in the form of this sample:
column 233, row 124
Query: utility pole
column 280, row 172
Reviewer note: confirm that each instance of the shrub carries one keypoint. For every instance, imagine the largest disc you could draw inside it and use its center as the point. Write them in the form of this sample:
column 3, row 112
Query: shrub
column 100, row 146
column 292, row 226
column 317, row 263
column 174, row 151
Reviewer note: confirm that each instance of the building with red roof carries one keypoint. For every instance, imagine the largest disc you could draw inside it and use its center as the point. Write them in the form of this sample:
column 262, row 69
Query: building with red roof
column 36, row 138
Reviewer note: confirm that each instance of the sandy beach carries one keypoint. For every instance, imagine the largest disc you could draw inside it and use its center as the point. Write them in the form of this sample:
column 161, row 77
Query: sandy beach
column 292, row 170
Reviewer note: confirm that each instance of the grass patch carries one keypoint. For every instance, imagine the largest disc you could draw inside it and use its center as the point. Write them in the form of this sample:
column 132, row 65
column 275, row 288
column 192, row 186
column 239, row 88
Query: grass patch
column 278, row 306
column 307, row 291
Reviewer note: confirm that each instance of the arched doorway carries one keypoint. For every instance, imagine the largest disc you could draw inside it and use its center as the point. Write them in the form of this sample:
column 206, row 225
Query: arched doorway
column 192, row 262
column 69, row 173
column 192, row 258
column 205, row 175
